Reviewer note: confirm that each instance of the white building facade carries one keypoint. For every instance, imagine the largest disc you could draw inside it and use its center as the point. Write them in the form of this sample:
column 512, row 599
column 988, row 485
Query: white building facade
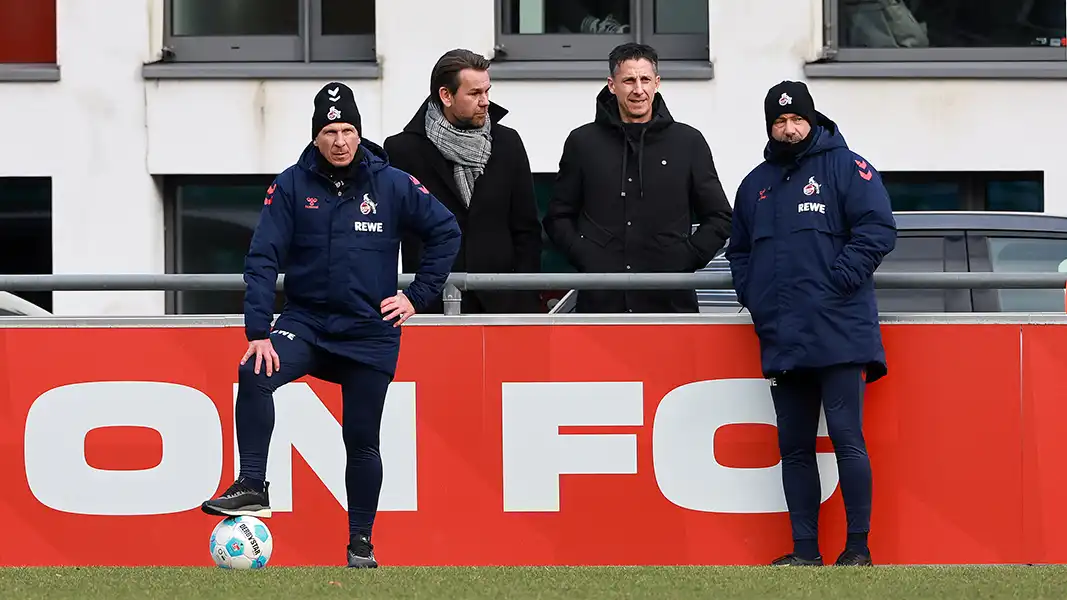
column 153, row 148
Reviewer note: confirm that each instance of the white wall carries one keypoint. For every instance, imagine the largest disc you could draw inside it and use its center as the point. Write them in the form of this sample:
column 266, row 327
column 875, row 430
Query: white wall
column 87, row 132
column 112, row 131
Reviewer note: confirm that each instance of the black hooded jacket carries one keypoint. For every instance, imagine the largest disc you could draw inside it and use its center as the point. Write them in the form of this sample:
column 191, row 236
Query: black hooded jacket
column 625, row 200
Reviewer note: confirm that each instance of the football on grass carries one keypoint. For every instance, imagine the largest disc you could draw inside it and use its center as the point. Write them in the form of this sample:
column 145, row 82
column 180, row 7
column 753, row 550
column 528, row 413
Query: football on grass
column 241, row 543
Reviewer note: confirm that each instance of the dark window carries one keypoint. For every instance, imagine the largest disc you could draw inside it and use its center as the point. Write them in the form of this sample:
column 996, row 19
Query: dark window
column 949, row 29
column 345, row 17
column 679, row 16
column 1018, row 196
column 1029, row 255
column 269, row 30
column 342, row 30
column 236, row 18
column 552, row 260
column 26, row 233
column 961, row 190
column 677, row 29
column 913, row 255
column 28, row 31
column 213, row 220
column 589, row 29
column 934, row 195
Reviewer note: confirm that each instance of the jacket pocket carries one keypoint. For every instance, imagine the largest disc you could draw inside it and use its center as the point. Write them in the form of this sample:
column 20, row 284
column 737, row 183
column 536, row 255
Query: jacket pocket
column 589, row 230
column 671, row 253
column 367, row 257
column 307, row 268
column 591, row 252
column 760, row 254
column 814, row 246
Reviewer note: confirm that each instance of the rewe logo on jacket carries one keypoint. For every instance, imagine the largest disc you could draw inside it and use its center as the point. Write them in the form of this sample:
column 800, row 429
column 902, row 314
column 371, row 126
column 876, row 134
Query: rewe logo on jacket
column 811, row 207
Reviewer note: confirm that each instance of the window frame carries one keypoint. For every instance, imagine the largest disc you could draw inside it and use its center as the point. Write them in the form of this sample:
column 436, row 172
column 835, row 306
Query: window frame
column 673, row 46
column 517, row 47
column 554, row 46
column 338, row 48
column 308, row 45
column 834, row 51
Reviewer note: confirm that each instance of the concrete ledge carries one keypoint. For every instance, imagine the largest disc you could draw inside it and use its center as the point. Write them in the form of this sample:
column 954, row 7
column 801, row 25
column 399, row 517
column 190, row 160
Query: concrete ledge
column 29, row 72
column 940, row 70
column 591, row 69
column 212, row 321
column 284, row 70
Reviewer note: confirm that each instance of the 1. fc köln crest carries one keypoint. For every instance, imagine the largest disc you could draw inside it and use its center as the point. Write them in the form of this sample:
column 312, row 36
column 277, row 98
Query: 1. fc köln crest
column 368, row 206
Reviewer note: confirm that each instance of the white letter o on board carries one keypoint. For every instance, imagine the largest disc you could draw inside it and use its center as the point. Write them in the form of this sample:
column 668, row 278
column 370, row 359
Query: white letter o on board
column 185, row 418
column 683, row 449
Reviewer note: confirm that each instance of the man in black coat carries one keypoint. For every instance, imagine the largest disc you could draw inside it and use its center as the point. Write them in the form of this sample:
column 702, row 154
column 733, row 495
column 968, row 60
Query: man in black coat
column 457, row 148
column 629, row 187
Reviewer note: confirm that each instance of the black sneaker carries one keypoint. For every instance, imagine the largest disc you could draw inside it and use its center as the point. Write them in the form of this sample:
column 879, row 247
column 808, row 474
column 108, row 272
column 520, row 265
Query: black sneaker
column 361, row 553
column 240, row 500
column 792, row 560
column 854, row 558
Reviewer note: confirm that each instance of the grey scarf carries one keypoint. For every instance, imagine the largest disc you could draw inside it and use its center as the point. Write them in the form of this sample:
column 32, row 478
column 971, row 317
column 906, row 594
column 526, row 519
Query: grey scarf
column 467, row 149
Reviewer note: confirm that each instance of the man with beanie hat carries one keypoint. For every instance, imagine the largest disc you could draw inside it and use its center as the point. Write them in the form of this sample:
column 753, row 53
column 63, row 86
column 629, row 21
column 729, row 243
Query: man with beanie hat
column 811, row 225
column 332, row 222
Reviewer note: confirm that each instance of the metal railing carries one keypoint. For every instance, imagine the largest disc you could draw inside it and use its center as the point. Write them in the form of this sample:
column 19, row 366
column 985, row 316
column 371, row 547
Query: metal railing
column 461, row 282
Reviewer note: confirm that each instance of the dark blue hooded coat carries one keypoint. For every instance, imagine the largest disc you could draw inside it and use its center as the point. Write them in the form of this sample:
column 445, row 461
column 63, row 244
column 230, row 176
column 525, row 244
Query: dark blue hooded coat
column 807, row 237
column 339, row 252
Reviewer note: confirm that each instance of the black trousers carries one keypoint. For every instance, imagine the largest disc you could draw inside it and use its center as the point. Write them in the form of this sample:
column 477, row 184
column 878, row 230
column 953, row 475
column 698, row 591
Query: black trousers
column 363, row 391
column 798, row 395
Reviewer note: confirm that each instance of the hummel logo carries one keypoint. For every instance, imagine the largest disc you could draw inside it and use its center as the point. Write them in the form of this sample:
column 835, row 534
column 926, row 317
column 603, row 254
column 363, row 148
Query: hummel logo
column 335, row 94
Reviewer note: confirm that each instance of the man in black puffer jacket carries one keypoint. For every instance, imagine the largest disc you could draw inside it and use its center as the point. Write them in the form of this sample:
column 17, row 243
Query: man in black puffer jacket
column 629, row 187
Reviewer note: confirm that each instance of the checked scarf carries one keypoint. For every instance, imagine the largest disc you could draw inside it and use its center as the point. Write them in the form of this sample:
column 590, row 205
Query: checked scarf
column 467, row 149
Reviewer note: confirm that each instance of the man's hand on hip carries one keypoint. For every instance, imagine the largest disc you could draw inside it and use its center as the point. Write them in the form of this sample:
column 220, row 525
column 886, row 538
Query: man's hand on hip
column 265, row 354
column 397, row 306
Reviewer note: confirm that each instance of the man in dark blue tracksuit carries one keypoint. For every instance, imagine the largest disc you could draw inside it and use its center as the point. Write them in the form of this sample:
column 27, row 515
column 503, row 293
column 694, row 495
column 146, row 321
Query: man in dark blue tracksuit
column 811, row 225
column 333, row 222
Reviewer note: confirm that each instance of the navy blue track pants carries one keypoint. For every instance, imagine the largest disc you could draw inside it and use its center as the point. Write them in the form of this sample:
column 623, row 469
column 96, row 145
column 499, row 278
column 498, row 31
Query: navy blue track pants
column 798, row 396
column 363, row 391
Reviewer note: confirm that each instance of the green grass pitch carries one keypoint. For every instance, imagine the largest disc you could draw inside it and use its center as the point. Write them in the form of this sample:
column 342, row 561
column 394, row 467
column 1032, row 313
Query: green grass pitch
column 541, row 583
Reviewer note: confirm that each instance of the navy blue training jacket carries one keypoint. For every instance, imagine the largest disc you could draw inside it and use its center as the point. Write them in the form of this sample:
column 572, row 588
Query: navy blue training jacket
column 339, row 253
column 806, row 241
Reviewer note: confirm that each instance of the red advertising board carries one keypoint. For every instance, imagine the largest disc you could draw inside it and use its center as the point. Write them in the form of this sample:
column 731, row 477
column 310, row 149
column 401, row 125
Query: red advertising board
column 540, row 444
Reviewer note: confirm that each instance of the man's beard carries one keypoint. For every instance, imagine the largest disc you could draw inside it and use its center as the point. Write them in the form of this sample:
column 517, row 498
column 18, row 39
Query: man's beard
column 462, row 123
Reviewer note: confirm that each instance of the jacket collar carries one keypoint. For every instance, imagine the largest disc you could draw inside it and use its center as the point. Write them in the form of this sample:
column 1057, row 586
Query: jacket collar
column 607, row 111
